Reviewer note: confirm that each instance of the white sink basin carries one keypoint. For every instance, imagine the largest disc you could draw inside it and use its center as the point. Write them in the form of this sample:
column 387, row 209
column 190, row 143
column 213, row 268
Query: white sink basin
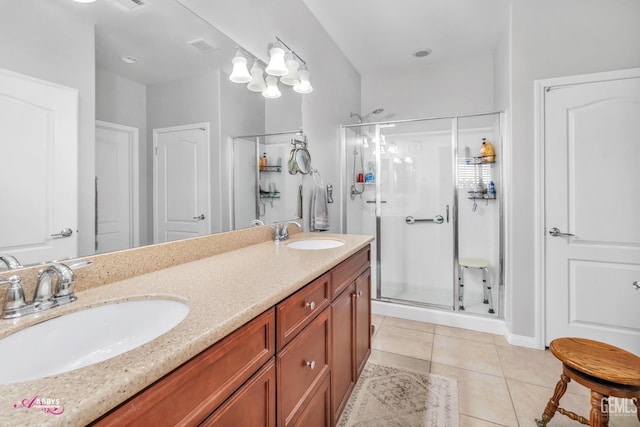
column 311, row 244
column 85, row 337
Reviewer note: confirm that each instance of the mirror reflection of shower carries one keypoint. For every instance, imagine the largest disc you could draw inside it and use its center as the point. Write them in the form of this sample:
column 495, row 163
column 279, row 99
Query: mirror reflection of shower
column 354, row 184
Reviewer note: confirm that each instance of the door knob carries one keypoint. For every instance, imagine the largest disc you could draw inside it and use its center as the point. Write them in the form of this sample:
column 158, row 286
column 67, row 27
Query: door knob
column 200, row 217
column 555, row 232
column 65, row 232
column 636, row 285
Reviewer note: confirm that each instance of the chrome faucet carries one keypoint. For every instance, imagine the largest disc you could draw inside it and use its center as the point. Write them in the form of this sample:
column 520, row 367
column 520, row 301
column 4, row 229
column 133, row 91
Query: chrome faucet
column 45, row 295
column 10, row 261
column 282, row 230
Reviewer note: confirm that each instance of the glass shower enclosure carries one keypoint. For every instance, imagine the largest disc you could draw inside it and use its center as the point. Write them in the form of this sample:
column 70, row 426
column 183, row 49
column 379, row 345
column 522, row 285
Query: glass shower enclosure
column 421, row 187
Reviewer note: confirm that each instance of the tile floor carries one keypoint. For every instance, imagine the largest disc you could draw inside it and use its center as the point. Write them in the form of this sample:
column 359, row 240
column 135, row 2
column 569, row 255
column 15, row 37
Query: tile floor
column 498, row 384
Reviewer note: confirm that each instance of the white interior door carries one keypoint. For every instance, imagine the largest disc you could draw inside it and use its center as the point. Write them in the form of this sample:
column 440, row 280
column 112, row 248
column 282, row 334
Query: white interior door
column 117, row 214
column 181, row 183
column 38, row 128
column 592, row 192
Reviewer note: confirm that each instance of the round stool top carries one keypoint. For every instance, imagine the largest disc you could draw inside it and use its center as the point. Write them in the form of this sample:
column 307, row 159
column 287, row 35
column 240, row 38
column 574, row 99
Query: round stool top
column 598, row 359
column 474, row 262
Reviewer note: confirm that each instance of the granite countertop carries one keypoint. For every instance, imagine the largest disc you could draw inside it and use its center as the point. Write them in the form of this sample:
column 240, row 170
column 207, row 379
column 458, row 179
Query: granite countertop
column 223, row 292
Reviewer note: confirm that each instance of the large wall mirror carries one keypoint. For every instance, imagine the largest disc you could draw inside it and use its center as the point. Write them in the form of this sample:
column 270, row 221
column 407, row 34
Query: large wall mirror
column 155, row 113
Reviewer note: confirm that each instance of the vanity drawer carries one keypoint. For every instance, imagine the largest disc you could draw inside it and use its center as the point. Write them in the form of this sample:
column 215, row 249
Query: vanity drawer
column 348, row 270
column 301, row 366
column 294, row 313
column 190, row 393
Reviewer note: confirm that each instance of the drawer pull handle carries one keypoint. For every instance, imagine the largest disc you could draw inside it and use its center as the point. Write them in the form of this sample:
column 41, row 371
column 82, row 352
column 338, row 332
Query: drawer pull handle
column 311, row 364
column 311, row 305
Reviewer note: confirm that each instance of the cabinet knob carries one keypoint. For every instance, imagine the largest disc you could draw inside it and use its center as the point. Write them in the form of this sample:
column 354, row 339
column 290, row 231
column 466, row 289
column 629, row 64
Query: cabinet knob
column 311, row 364
column 357, row 294
column 311, row 305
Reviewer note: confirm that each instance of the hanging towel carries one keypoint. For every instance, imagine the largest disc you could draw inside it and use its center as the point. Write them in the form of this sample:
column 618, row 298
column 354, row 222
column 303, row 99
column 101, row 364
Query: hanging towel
column 319, row 209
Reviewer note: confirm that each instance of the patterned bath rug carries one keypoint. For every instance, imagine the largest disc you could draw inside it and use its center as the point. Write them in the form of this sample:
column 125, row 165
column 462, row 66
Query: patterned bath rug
column 386, row 396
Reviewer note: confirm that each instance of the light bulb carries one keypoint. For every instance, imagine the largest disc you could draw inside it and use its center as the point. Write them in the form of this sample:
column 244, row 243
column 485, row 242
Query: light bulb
column 272, row 90
column 240, row 73
column 305, row 85
column 257, row 83
column 276, row 66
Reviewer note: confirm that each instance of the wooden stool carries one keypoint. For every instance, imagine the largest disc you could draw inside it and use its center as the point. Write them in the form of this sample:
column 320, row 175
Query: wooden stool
column 604, row 369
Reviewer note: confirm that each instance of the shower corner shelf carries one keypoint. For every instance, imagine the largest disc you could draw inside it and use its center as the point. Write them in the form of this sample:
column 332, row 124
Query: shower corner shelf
column 267, row 195
column 483, row 197
column 271, row 169
column 480, row 160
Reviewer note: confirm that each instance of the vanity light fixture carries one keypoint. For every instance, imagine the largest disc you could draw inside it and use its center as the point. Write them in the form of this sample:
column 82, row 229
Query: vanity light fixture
column 257, row 83
column 284, row 64
column 272, row 90
column 304, row 86
column 277, row 66
column 291, row 78
column 240, row 73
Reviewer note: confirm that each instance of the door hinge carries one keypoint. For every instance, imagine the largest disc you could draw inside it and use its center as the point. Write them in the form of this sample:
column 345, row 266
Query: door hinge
column 156, row 149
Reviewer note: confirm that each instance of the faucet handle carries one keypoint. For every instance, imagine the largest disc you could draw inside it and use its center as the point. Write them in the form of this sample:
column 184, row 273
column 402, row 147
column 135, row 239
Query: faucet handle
column 14, row 299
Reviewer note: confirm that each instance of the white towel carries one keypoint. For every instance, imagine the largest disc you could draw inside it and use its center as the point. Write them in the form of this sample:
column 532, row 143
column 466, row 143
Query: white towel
column 319, row 209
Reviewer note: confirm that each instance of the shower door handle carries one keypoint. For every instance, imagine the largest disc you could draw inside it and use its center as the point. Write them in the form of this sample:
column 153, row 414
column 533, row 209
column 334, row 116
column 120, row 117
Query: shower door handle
column 438, row 219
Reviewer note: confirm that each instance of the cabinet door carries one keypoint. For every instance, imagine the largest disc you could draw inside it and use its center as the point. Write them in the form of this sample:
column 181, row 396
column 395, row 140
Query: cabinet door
column 253, row 405
column 317, row 412
column 342, row 362
column 362, row 319
column 301, row 366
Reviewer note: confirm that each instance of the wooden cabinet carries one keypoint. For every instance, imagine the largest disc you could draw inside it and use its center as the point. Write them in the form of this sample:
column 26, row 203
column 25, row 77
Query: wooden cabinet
column 351, row 327
column 299, row 309
column 294, row 365
column 193, row 391
column 362, row 319
column 300, row 366
column 252, row 405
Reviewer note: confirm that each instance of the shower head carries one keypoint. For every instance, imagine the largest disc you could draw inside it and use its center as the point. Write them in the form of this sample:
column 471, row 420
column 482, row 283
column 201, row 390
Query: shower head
column 366, row 116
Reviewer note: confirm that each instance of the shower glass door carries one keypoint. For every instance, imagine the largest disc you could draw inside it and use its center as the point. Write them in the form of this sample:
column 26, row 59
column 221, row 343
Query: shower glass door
column 414, row 211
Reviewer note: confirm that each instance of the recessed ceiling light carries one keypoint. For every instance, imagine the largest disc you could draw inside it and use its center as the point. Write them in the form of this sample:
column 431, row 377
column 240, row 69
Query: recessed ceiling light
column 129, row 59
column 422, row 53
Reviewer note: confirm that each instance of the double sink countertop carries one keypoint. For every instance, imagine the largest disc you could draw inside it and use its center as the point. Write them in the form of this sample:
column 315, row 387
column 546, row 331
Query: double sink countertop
column 223, row 291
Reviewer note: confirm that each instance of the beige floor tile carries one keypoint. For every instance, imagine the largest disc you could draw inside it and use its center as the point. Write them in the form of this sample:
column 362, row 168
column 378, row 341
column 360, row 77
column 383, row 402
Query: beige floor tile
column 409, row 324
column 529, row 401
column 400, row 361
column 481, row 396
column 500, row 340
column 466, row 421
column 403, row 341
column 376, row 321
column 465, row 354
column 465, row 334
column 535, row 367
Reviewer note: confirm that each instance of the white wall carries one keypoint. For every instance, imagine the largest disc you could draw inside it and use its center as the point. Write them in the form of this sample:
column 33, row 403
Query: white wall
column 59, row 50
column 447, row 89
column 123, row 101
column 551, row 39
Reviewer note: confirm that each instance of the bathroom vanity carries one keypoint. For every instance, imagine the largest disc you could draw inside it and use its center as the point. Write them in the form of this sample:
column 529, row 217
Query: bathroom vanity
column 274, row 336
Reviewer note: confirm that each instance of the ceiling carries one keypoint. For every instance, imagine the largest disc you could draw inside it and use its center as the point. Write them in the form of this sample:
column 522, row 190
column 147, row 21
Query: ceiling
column 156, row 32
column 382, row 34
